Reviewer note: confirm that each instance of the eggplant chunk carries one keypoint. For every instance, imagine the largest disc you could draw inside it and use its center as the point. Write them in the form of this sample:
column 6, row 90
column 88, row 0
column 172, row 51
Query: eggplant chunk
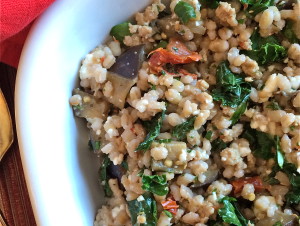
column 172, row 162
column 285, row 219
column 211, row 175
column 166, row 24
column 91, row 106
column 123, row 74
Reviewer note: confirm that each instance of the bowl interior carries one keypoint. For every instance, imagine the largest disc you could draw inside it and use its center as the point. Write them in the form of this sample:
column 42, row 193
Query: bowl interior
column 60, row 171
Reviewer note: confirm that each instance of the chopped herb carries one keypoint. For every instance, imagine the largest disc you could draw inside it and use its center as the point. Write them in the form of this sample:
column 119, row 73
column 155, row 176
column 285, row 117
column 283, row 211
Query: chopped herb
column 273, row 105
column 94, row 145
column 162, row 44
column 185, row 11
column 156, row 184
column 241, row 21
column 265, row 50
column 104, row 177
column 230, row 213
column 279, row 154
column 218, row 145
column 189, row 150
column 208, row 135
column 152, row 87
column 147, row 207
column 154, row 129
column 164, row 141
column 163, row 72
column 271, row 180
column 289, row 33
column 119, row 31
column 180, row 131
column 214, row 190
column 231, row 90
column 212, row 4
column 168, row 214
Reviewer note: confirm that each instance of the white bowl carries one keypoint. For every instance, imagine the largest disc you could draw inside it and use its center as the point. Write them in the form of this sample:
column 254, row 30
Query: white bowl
column 61, row 173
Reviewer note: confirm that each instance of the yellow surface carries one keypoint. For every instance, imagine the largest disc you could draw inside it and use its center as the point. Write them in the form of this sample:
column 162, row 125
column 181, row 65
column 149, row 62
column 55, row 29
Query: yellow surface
column 6, row 131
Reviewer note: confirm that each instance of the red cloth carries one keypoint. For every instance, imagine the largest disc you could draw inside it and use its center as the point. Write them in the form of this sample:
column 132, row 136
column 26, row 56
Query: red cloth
column 16, row 17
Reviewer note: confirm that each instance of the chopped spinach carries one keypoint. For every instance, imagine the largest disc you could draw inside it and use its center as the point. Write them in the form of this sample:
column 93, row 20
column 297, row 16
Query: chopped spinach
column 153, row 129
column 289, row 33
column 146, row 207
column 265, row 50
column 184, row 11
column 261, row 144
column 231, row 90
column 156, row 184
column 104, row 177
column 218, row 145
column 119, row 31
column 278, row 223
column 229, row 212
column 182, row 129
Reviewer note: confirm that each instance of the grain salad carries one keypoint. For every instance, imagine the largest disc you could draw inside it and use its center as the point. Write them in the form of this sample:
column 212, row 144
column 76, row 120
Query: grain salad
column 194, row 110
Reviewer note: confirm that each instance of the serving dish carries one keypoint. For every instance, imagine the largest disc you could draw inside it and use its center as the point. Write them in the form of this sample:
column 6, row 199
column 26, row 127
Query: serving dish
column 61, row 173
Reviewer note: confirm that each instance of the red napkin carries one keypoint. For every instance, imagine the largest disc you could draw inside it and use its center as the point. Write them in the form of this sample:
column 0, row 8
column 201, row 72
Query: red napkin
column 16, row 17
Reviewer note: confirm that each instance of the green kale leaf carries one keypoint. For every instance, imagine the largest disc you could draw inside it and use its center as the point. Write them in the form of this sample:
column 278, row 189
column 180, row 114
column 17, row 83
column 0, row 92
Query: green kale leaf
column 146, row 207
column 218, row 145
column 262, row 144
column 184, row 11
column 119, row 31
column 156, row 184
column 212, row 4
column 231, row 90
column 265, row 50
column 182, row 129
column 289, row 33
column 229, row 212
column 104, row 177
column 257, row 6
column 153, row 129
column 279, row 154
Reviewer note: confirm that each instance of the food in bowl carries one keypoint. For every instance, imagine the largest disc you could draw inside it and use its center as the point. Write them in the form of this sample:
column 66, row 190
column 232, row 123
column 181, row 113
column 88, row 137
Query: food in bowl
column 194, row 109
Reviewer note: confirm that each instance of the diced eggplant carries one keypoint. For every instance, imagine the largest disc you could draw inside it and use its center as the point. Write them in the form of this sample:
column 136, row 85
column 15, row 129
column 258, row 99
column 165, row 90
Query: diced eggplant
column 91, row 106
column 285, row 219
column 172, row 162
column 123, row 74
column 166, row 24
column 116, row 171
column 211, row 175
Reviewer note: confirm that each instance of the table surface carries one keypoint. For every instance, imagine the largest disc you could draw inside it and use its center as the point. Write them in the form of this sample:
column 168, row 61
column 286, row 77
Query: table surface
column 14, row 199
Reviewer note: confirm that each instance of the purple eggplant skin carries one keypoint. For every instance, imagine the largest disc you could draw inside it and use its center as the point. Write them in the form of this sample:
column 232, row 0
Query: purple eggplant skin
column 128, row 64
column 116, row 171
